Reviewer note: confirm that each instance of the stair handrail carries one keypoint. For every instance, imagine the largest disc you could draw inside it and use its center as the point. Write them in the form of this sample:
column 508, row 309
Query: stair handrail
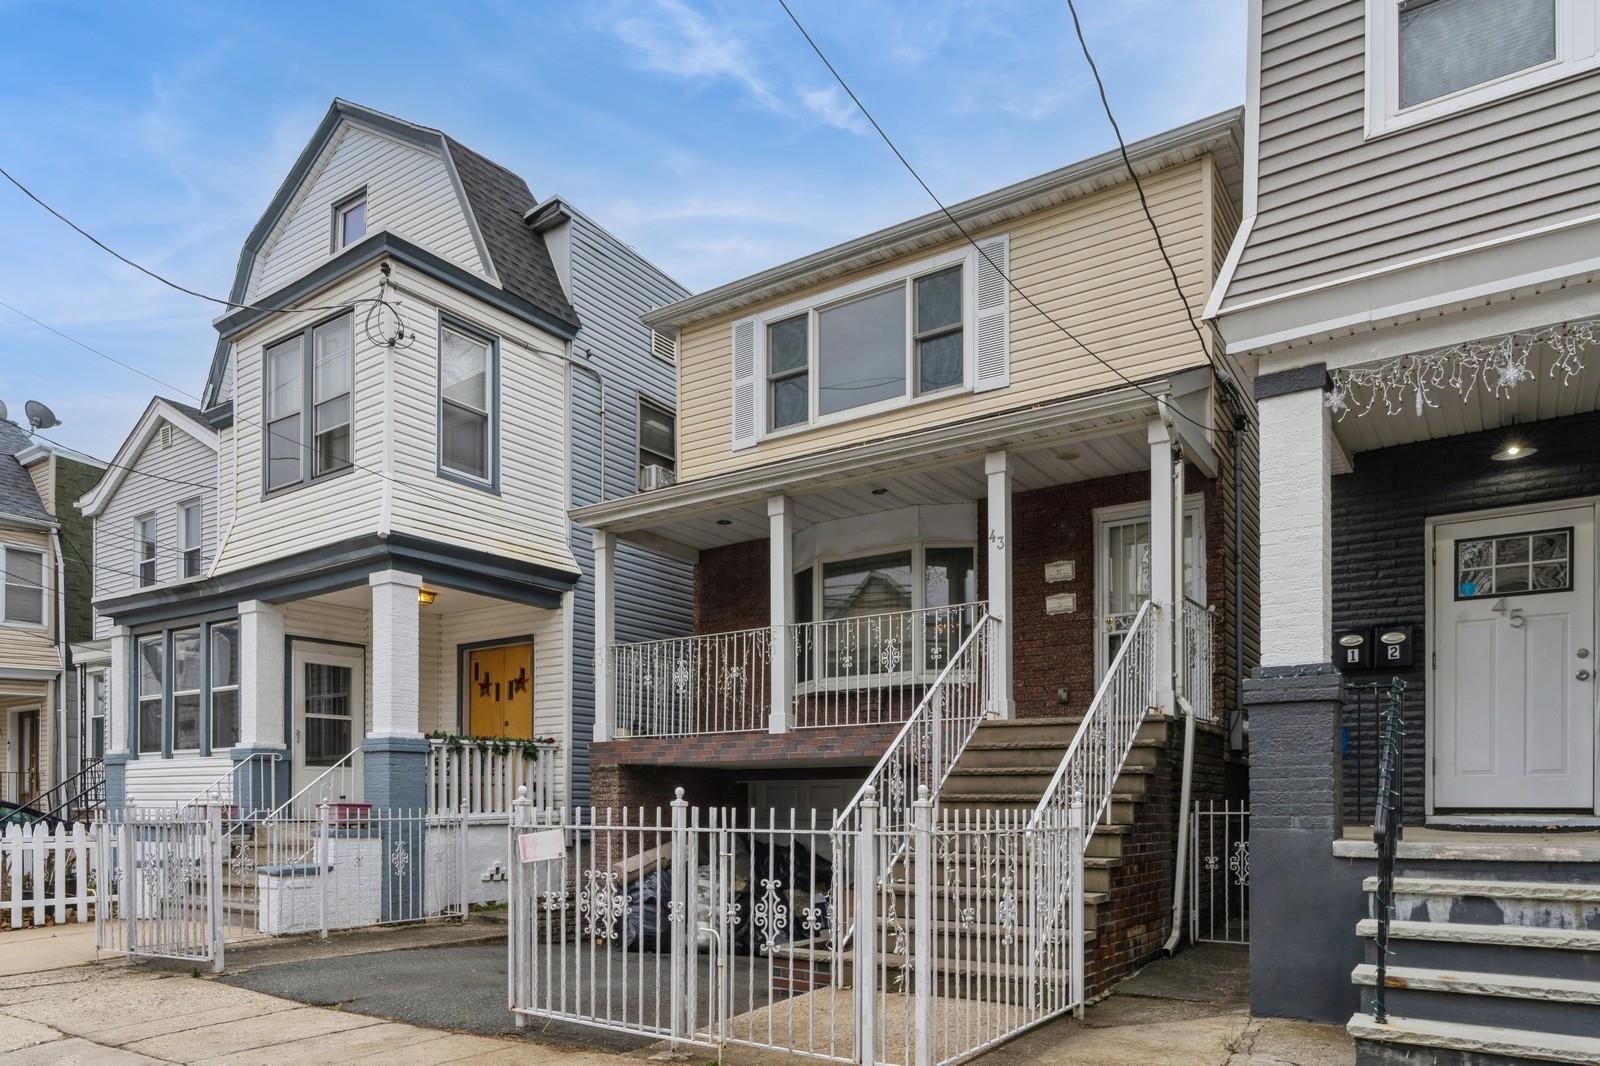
column 1108, row 730
column 946, row 744
column 345, row 762
column 220, row 791
column 89, row 779
column 1387, row 822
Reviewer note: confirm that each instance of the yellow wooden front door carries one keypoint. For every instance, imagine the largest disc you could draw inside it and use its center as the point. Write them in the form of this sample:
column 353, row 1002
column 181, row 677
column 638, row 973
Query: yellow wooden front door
column 500, row 692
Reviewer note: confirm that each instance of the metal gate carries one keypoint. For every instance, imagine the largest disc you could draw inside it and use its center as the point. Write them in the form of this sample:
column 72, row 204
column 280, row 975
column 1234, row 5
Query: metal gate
column 1219, row 863
column 845, row 941
column 163, row 868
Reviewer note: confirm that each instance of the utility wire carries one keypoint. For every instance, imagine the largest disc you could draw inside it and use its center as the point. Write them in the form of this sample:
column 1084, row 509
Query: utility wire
column 123, row 466
column 1138, row 185
column 1173, row 408
column 141, row 268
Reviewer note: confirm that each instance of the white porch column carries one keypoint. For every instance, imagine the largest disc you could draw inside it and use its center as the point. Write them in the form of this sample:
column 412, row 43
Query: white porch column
column 120, row 682
column 997, row 468
column 261, row 636
column 1297, row 449
column 605, row 633
column 780, row 531
column 395, row 672
column 1165, row 519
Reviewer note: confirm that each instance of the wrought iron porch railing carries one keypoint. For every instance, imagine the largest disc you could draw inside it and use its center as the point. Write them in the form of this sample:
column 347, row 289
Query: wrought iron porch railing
column 1360, row 743
column 1386, row 830
column 337, row 783
column 1199, row 658
column 223, row 794
column 76, row 798
column 479, row 777
column 873, row 669
column 683, row 686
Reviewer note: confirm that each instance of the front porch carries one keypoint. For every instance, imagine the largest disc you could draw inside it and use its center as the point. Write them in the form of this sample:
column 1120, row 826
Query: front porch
column 833, row 601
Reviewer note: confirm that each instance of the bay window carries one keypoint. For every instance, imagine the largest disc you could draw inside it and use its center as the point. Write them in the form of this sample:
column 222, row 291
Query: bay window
column 150, row 664
column 186, row 690
column 310, row 370
column 224, row 668
column 468, row 395
column 24, row 586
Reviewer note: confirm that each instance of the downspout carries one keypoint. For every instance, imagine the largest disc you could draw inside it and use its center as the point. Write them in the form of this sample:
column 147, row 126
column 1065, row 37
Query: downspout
column 1182, row 702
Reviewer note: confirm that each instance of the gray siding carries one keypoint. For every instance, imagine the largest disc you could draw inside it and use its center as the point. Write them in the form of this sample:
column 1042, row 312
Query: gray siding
column 173, row 469
column 1331, row 203
column 611, row 286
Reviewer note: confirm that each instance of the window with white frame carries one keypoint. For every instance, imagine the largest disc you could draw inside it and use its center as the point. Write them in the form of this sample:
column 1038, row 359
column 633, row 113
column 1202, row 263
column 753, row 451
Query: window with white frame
column 186, row 690
column 191, row 518
column 23, row 603
column 310, row 369
column 350, row 220
column 1122, row 578
column 150, row 664
column 144, row 549
column 1431, row 58
column 224, row 685
column 658, row 445
column 99, row 704
column 937, row 327
column 467, row 398
column 914, row 585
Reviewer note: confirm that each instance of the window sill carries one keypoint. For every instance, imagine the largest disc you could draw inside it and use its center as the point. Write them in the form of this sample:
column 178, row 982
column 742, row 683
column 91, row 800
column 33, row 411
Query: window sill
column 320, row 479
column 492, row 487
column 866, row 411
column 1380, row 122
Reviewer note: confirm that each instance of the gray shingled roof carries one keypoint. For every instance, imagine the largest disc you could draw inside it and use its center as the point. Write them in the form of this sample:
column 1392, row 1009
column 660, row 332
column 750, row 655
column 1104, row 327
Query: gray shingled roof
column 499, row 200
column 18, row 497
column 194, row 413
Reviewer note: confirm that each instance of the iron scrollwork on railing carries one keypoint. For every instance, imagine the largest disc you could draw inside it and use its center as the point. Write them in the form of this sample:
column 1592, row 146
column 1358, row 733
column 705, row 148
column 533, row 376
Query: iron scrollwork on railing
column 1387, row 829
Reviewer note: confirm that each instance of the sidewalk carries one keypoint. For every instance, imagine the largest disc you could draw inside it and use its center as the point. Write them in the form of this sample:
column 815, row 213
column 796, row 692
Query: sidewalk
column 50, row 947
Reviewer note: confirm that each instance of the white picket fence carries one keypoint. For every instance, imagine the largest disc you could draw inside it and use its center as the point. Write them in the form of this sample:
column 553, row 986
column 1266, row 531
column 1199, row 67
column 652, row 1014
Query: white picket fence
column 46, row 875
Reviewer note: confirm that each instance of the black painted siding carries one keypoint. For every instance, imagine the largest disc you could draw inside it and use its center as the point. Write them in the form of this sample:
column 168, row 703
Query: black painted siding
column 1380, row 549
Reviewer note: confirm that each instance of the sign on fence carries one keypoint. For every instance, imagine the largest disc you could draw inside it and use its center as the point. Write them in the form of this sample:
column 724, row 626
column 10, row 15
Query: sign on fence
column 46, row 874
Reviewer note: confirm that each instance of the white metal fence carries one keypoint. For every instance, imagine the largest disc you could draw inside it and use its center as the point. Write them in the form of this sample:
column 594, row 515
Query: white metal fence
column 713, row 683
column 1199, row 658
column 47, row 874
column 484, row 775
column 1219, row 881
column 164, row 865
column 779, row 930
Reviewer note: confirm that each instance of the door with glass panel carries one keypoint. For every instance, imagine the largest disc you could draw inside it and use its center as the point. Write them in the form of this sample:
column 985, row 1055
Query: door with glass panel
column 329, row 721
column 1514, row 682
column 1123, row 580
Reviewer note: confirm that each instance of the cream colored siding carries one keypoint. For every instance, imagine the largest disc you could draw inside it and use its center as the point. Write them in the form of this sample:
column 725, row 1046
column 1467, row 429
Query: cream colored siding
column 526, row 518
column 156, row 782
column 174, row 472
column 43, row 472
column 1092, row 264
column 409, row 193
column 32, row 647
column 322, row 512
column 1333, row 203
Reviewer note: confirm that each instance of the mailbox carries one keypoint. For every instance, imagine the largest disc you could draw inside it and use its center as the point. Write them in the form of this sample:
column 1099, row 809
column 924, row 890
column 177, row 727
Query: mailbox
column 1391, row 647
column 1352, row 649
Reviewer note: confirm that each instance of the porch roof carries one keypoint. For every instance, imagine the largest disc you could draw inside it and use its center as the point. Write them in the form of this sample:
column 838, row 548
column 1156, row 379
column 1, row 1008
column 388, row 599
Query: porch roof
column 1052, row 444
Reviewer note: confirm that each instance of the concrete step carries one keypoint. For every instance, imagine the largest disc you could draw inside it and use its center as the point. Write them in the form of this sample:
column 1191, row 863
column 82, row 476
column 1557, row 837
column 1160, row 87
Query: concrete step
column 1107, row 842
column 1557, row 954
column 1486, row 901
column 1058, row 731
column 1491, row 935
column 1486, row 1041
column 1097, row 872
column 1538, row 1003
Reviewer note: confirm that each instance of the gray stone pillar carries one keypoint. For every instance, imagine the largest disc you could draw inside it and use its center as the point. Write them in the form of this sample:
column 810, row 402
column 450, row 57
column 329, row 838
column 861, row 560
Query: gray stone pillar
column 1304, row 903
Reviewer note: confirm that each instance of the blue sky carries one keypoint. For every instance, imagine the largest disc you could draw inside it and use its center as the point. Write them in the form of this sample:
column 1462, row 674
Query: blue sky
column 702, row 132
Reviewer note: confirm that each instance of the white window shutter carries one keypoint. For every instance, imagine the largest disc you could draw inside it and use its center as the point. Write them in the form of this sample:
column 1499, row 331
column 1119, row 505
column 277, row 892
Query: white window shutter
column 992, row 343
column 746, row 396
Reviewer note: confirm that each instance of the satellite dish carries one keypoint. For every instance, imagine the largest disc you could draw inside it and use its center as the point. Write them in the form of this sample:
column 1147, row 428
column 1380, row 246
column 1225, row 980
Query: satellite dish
column 40, row 416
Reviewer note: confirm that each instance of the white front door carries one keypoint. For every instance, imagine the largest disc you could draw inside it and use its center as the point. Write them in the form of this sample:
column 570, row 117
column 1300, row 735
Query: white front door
column 1514, row 696
column 326, row 692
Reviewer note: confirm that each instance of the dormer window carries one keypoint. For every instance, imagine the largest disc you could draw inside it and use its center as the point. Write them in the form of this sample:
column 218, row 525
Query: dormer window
column 350, row 220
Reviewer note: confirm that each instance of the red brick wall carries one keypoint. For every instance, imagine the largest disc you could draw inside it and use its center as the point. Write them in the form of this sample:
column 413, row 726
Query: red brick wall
column 731, row 586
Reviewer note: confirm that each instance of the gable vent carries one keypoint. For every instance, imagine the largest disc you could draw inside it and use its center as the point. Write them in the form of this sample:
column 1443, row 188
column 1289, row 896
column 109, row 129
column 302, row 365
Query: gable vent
column 664, row 345
column 166, row 434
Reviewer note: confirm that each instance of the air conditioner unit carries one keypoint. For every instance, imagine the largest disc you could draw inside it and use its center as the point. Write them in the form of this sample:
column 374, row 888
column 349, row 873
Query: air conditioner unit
column 655, row 476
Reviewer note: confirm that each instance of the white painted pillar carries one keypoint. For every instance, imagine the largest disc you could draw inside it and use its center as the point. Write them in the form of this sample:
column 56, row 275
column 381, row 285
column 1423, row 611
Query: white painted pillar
column 1180, row 587
column 119, row 683
column 997, row 469
column 1163, row 554
column 395, row 670
column 780, row 532
column 1297, row 450
column 261, row 643
column 605, row 633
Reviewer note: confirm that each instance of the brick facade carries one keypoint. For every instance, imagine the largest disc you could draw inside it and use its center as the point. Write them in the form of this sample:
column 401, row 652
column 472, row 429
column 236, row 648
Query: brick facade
column 1380, row 548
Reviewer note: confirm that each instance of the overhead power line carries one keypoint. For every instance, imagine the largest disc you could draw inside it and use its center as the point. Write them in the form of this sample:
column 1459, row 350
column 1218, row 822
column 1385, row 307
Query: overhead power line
column 1027, row 298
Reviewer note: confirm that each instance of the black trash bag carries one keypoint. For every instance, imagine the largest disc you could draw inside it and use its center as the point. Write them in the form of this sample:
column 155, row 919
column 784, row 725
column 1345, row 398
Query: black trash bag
column 646, row 927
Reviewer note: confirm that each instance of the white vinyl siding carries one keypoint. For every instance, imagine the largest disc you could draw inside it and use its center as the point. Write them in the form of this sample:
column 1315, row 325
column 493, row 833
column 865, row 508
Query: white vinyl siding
column 178, row 476
column 409, row 193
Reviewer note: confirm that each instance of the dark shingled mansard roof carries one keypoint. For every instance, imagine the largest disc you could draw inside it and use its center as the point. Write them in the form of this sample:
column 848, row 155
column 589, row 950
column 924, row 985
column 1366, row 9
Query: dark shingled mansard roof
column 18, row 496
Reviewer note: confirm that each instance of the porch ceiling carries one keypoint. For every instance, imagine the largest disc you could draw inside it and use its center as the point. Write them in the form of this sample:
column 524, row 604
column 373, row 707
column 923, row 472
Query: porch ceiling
column 1042, row 460
column 447, row 600
column 1540, row 398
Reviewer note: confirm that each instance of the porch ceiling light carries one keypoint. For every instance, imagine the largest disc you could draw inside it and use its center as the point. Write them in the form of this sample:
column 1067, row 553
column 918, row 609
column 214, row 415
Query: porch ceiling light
column 425, row 597
column 1512, row 450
